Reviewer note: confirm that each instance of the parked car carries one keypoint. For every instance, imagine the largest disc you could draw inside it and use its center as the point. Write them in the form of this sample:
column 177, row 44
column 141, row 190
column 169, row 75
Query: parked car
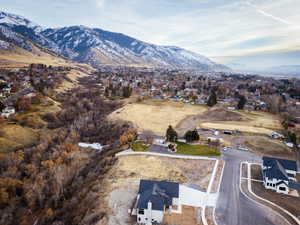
column 226, row 149
column 229, row 132
column 243, row 148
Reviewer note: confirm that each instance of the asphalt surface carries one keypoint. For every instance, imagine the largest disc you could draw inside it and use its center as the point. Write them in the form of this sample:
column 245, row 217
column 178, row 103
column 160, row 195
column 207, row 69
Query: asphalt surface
column 233, row 208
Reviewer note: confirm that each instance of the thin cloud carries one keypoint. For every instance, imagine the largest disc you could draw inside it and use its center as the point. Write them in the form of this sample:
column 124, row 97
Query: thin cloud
column 270, row 15
column 101, row 3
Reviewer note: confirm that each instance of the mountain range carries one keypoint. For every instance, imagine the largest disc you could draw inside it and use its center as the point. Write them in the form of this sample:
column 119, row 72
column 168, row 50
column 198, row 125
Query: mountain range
column 96, row 46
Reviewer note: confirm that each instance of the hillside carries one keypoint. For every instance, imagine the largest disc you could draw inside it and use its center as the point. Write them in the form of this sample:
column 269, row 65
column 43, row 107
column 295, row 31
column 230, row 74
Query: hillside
column 18, row 51
column 99, row 47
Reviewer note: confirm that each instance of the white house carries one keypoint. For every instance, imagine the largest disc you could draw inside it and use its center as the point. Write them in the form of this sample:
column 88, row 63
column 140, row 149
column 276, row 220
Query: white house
column 8, row 111
column 155, row 198
column 279, row 175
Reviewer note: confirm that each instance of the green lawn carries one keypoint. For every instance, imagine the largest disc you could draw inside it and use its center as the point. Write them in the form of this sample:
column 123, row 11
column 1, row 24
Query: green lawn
column 139, row 146
column 186, row 149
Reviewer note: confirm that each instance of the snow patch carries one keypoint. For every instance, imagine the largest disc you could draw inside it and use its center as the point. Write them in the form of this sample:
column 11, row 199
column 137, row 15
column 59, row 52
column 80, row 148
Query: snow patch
column 4, row 44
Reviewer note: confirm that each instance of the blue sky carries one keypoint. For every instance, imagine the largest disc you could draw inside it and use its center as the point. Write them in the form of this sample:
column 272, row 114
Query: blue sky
column 225, row 30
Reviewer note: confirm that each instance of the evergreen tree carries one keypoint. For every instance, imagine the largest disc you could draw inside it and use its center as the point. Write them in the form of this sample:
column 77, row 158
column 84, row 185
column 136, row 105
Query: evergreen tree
column 212, row 100
column 242, row 102
column 127, row 91
column 2, row 106
column 191, row 136
column 171, row 134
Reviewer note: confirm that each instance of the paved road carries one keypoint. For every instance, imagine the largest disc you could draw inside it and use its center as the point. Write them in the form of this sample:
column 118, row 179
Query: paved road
column 233, row 208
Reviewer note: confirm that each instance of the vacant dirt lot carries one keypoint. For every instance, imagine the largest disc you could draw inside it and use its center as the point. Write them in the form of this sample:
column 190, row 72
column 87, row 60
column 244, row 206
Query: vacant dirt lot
column 269, row 147
column 241, row 126
column 122, row 182
column 156, row 115
column 136, row 167
column 220, row 118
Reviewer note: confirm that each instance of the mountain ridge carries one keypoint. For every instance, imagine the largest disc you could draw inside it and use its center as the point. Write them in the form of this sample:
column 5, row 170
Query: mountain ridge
column 99, row 47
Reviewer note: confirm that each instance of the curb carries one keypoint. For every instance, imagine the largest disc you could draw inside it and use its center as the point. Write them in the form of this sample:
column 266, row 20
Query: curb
column 126, row 153
column 258, row 203
column 263, row 199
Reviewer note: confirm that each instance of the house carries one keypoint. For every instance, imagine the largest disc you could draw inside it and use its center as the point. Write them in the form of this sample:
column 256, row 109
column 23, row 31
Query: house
column 8, row 111
column 155, row 198
column 279, row 175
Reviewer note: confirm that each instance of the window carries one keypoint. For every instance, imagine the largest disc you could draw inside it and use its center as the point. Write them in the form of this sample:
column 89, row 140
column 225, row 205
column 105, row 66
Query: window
column 141, row 211
column 139, row 219
column 282, row 189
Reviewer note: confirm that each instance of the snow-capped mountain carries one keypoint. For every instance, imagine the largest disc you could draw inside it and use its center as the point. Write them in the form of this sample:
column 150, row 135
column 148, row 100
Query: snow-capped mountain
column 98, row 47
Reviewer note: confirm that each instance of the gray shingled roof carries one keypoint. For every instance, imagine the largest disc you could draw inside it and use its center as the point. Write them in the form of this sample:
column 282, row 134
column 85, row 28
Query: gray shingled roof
column 159, row 193
column 294, row 185
column 286, row 164
column 276, row 171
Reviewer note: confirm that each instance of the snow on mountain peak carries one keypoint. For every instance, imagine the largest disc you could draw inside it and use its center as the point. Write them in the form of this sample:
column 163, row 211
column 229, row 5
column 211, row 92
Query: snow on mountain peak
column 12, row 19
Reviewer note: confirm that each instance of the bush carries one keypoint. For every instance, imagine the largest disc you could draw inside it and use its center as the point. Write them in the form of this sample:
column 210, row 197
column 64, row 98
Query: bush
column 191, row 136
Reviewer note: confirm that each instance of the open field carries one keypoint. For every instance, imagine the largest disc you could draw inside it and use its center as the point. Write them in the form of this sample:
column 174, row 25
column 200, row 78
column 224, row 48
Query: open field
column 73, row 75
column 269, row 147
column 220, row 118
column 241, row 126
column 14, row 136
column 136, row 167
column 156, row 115
column 18, row 57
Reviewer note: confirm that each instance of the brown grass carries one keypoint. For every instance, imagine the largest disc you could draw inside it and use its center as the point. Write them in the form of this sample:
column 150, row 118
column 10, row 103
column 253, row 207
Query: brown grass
column 73, row 75
column 269, row 147
column 245, row 121
column 188, row 217
column 131, row 168
column 156, row 115
column 15, row 136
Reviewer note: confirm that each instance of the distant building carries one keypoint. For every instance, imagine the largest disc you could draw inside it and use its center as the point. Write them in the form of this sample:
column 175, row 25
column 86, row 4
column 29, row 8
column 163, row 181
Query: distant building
column 8, row 111
column 279, row 175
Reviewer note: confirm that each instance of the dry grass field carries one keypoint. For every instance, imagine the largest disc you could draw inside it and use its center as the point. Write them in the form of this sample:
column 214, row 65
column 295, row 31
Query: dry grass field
column 73, row 75
column 250, row 122
column 269, row 147
column 156, row 115
column 131, row 168
column 15, row 136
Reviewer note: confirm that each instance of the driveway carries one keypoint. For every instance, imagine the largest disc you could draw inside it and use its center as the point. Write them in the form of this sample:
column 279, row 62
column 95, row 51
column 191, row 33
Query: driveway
column 193, row 197
column 159, row 149
column 233, row 208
